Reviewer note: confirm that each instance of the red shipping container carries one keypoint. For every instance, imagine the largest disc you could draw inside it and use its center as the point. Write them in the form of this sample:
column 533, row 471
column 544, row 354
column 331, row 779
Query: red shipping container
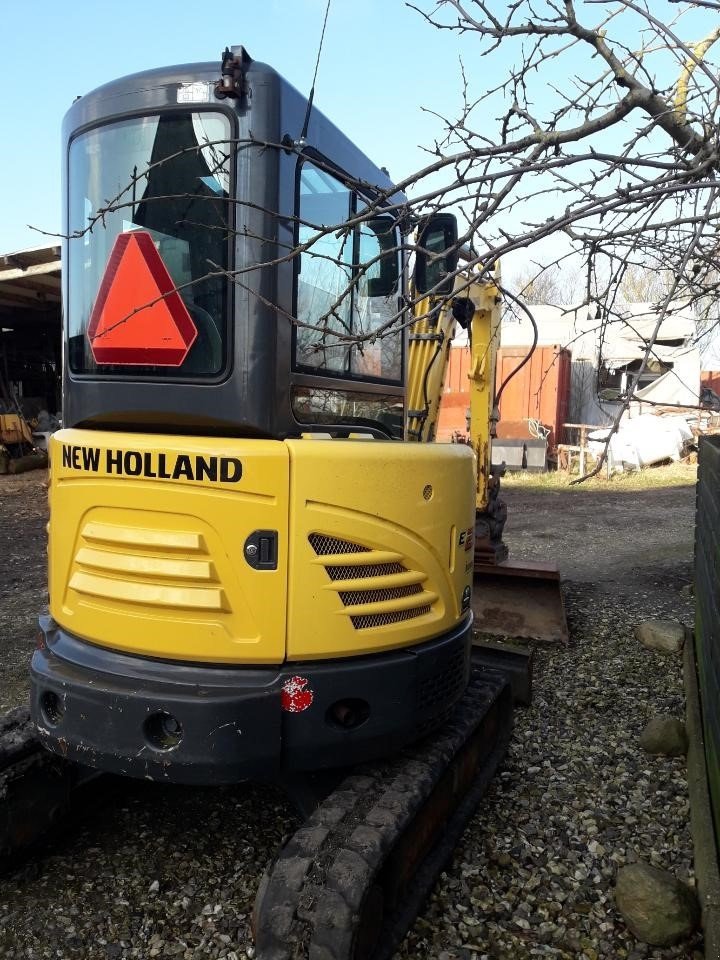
column 541, row 391
column 710, row 378
column 455, row 398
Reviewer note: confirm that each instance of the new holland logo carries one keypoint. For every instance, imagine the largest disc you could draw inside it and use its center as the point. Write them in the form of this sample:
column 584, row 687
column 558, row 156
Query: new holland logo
column 146, row 463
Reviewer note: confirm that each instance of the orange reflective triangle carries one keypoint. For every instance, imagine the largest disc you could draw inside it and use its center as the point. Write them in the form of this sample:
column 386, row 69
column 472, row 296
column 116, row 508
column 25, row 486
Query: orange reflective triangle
column 138, row 316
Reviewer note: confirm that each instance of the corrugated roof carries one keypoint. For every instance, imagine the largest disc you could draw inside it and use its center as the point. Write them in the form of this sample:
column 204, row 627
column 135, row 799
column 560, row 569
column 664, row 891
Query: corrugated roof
column 29, row 281
column 624, row 335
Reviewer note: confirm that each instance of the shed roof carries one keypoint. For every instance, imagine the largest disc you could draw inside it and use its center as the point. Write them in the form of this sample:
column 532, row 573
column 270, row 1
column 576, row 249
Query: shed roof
column 29, row 285
column 624, row 335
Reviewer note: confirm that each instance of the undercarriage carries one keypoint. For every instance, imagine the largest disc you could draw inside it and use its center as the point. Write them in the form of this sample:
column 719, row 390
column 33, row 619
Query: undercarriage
column 348, row 884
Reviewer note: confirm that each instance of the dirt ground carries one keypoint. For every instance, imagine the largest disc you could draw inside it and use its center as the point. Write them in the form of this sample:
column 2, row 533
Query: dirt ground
column 23, row 580
column 631, row 538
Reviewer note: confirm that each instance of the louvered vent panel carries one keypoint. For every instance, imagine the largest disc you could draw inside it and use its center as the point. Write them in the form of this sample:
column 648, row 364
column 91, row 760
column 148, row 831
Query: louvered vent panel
column 157, row 568
column 327, row 546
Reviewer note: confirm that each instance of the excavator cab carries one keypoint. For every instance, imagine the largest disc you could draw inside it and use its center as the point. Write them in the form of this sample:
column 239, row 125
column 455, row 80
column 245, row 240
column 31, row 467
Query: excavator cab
column 250, row 574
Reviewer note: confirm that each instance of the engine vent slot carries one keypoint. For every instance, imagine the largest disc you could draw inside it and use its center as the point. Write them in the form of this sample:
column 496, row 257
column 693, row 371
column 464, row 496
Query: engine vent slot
column 364, row 570
column 387, row 567
column 328, row 546
column 349, row 597
column 363, row 621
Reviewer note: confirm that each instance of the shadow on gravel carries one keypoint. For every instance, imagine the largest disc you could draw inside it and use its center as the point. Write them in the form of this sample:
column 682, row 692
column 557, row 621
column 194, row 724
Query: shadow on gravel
column 141, row 859
column 626, row 537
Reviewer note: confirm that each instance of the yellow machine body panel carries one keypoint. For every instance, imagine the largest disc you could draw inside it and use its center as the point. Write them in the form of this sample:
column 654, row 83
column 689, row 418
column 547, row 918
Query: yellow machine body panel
column 381, row 544
column 149, row 537
column 147, row 541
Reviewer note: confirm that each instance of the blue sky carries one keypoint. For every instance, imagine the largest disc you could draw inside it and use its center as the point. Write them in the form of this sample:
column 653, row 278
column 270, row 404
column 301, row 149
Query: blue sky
column 380, row 63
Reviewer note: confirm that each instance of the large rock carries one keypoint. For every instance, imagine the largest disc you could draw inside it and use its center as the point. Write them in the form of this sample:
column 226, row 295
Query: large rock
column 665, row 635
column 665, row 736
column 655, row 905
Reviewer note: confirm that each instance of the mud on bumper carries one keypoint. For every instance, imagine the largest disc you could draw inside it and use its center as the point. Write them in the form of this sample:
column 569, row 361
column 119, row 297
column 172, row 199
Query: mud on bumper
column 189, row 723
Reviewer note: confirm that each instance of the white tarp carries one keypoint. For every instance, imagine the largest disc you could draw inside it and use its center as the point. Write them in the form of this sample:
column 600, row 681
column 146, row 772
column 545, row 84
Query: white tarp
column 642, row 441
column 636, row 323
column 680, row 385
column 622, row 337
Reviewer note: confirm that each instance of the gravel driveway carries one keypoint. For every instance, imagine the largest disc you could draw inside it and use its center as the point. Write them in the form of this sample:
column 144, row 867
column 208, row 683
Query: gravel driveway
column 156, row 871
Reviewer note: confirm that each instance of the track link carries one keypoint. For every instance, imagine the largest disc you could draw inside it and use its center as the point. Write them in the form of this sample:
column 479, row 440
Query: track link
column 35, row 787
column 349, row 883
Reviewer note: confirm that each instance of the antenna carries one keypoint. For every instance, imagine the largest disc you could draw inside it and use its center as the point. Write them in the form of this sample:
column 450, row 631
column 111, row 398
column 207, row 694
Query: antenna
column 306, row 124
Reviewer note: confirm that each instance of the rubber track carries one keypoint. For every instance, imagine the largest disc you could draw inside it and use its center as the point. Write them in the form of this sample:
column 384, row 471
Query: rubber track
column 35, row 787
column 310, row 903
column 17, row 737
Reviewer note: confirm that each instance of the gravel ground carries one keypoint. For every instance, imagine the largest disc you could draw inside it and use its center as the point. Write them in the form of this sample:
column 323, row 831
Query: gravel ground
column 151, row 871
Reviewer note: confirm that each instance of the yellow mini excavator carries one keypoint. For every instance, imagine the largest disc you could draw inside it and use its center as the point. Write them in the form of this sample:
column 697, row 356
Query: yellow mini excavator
column 251, row 573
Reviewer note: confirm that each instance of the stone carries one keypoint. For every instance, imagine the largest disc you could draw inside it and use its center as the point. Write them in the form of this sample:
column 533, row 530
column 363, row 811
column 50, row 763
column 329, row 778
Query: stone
column 657, row 907
column 665, row 736
column 668, row 636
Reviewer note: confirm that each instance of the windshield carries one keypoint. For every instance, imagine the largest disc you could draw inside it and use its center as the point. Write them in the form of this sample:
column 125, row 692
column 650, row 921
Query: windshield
column 162, row 182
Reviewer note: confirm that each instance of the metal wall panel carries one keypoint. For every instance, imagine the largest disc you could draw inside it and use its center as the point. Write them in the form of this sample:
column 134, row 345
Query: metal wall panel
column 707, row 609
column 540, row 390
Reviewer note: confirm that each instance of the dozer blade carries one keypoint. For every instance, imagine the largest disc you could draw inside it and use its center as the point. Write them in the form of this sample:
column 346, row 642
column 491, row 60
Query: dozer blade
column 515, row 599
column 349, row 883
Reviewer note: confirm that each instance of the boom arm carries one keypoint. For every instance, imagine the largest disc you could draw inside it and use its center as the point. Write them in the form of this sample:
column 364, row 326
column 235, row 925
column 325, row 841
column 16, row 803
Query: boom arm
column 428, row 357
column 431, row 336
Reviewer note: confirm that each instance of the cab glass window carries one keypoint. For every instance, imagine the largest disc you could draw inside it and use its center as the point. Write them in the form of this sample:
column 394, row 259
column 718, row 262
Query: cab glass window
column 348, row 285
column 315, row 405
column 375, row 302
column 325, row 273
column 168, row 177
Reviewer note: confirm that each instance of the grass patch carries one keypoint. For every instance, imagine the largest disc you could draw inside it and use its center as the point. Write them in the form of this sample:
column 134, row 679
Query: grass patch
column 665, row 475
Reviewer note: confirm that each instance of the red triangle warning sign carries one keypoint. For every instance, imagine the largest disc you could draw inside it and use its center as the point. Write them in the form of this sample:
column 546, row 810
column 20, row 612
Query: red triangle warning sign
column 138, row 316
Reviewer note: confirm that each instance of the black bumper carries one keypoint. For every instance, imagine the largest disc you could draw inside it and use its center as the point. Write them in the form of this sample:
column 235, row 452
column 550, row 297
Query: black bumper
column 187, row 723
